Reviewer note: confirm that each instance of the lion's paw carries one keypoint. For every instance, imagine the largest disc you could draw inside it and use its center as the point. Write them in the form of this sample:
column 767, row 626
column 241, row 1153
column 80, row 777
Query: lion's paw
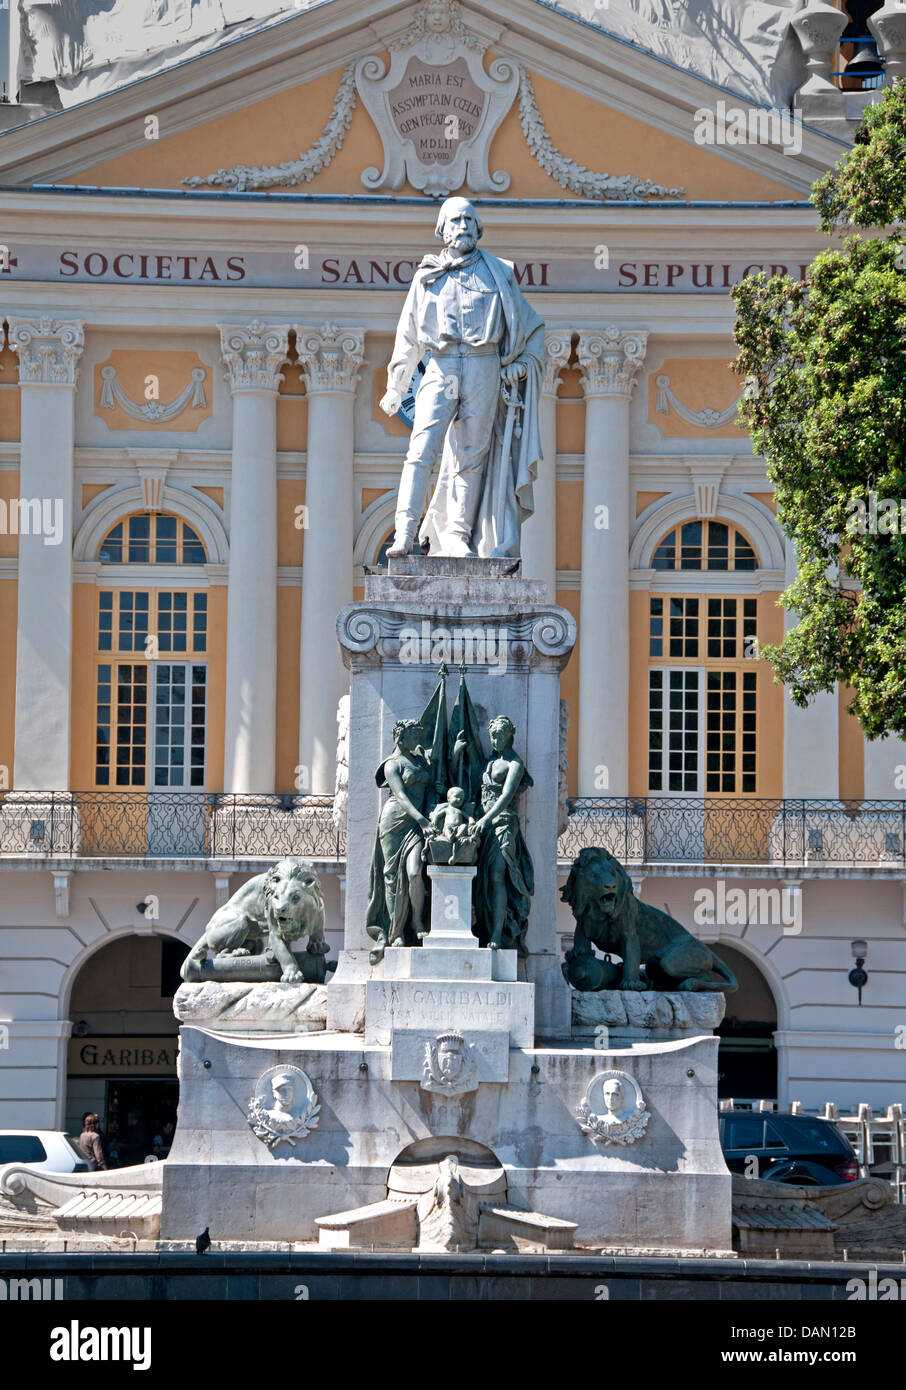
column 293, row 977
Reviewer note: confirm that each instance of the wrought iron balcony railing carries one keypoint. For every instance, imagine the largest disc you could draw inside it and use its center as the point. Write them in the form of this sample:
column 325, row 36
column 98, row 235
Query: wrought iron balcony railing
column 738, row 830
column 209, row 825
column 168, row 825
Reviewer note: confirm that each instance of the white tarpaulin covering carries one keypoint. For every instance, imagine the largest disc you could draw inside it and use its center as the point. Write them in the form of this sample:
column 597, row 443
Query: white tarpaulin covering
column 745, row 45
column 88, row 47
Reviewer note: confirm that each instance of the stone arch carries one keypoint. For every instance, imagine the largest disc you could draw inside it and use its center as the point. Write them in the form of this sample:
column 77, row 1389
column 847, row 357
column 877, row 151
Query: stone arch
column 754, row 519
column 64, row 999
column 377, row 520
column 109, row 508
column 774, row 985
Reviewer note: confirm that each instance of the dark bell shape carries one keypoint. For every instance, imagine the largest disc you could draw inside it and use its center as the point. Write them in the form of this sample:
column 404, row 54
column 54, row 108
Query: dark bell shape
column 865, row 63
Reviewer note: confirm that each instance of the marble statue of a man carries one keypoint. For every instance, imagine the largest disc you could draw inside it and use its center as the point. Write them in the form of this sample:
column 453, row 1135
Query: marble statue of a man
column 477, row 404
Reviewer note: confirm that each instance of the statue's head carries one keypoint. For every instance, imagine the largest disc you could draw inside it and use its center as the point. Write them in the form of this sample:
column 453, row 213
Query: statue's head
column 284, row 1088
column 437, row 16
column 458, row 224
column 613, row 1095
column 407, row 734
column 456, row 797
column 502, row 731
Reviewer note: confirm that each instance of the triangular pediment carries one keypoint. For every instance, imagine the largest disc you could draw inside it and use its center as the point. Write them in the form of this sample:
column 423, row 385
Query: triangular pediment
column 299, row 107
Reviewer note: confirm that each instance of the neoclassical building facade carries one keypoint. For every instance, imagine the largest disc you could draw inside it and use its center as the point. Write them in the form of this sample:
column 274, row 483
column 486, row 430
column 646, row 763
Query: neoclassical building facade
column 195, row 477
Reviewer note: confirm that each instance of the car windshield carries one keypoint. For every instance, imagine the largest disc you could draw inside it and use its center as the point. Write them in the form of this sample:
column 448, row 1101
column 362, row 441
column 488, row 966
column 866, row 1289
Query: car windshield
column 21, row 1148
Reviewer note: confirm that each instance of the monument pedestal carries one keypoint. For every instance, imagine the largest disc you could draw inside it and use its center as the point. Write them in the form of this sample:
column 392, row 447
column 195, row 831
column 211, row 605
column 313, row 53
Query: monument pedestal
column 513, row 643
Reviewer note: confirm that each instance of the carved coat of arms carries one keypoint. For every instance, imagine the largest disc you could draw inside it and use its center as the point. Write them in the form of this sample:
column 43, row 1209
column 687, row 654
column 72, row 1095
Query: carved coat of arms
column 450, row 1068
column 284, row 1108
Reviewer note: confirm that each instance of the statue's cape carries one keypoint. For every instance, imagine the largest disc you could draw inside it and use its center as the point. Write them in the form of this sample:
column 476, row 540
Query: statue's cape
column 496, row 530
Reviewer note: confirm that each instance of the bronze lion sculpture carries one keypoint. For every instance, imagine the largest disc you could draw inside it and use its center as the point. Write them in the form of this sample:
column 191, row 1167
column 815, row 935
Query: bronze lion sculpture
column 282, row 905
column 609, row 915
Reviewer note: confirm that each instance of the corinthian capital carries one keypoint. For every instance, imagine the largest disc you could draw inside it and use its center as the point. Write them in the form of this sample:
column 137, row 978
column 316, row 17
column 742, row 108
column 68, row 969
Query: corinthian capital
column 330, row 357
column 253, row 354
column 48, row 349
column 611, row 360
column 557, row 347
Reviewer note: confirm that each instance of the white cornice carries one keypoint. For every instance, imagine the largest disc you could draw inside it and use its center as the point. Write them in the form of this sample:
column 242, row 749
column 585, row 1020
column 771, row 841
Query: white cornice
column 704, row 582
column 306, row 46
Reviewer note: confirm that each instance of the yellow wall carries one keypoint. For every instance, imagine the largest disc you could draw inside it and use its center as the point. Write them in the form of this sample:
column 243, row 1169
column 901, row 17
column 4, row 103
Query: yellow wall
column 569, row 525
column 9, row 394
column 570, row 413
column 851, row 749
column 83, row 695
column 700, row 384
column 279, row 127
column 646, row 499
column 292, row 411
column 173, row 370
column 9, row 591
column 290, row 537
column 289, row 618
column 9, row 488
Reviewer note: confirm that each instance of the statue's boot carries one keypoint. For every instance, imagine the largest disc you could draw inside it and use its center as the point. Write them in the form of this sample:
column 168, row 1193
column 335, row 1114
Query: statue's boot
column 403, row 541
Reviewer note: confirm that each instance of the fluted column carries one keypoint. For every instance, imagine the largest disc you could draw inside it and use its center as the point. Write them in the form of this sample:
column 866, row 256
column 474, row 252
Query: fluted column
column 811, row 762
column 539, row 534
column 330, row 358
column 49, row 351
column 253, row 355
column 610, row 362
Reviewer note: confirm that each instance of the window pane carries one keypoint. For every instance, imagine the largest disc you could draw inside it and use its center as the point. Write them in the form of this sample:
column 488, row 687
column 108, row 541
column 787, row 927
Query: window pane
column 139, row 539
column 192, row 548
column 718, row 545
column 745, row 558
column 691, row 554
column 200, row 623
column 165, row 549
column 665, row 555
column 111, row 551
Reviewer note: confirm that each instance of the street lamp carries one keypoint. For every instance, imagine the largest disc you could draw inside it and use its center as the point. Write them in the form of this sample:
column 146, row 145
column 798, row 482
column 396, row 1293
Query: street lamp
column 857, row 976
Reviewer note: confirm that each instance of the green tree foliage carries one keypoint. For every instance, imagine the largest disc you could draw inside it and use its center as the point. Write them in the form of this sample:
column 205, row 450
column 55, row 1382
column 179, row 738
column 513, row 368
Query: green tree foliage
column 825, row 401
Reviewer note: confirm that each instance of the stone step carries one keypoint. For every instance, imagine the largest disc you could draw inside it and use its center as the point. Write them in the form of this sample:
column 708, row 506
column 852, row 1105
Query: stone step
column 388, row 1223
column 507, row 1226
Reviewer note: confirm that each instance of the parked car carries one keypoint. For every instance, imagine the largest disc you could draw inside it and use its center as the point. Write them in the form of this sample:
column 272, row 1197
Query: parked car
column 50, row 1147
column 797, row 1149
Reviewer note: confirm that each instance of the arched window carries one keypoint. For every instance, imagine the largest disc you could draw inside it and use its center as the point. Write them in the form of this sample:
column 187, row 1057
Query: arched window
column 705, row 545
column 152, row 538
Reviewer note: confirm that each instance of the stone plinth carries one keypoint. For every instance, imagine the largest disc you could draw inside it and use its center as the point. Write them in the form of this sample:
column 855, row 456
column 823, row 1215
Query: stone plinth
column 670, row 1189
column 432, row 1004
column 271, row 1007
column 514, row 645
column 451, row 906
column 647, row 1015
